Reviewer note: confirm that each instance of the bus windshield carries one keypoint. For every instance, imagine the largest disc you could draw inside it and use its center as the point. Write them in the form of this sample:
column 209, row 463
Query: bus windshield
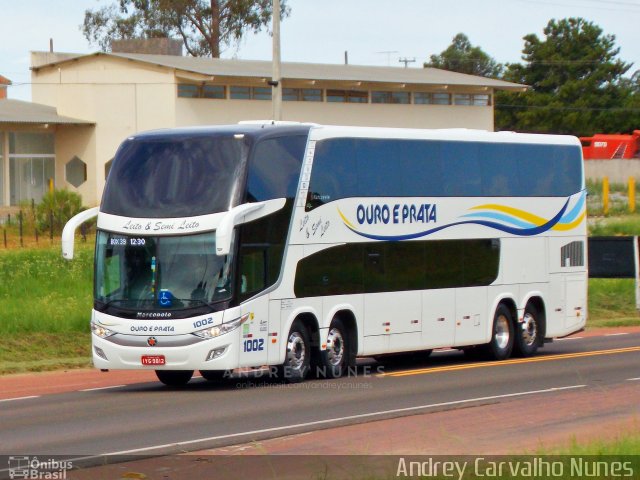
column 183, row 175
column 160, row 273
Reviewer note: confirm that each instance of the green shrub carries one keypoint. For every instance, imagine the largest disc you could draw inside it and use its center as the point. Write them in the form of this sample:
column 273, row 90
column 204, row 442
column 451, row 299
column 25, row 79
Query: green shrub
column 63, row 204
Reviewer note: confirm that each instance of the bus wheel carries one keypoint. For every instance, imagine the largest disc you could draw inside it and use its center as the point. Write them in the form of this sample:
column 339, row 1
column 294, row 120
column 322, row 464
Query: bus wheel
column 296, row 362
column 527, row 341
column 213, row 375
column 335, row 358
column 174, row 378
column 501, row 344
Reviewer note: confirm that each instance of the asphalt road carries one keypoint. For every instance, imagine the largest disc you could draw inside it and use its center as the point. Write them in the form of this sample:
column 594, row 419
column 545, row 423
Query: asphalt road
column 148, row 418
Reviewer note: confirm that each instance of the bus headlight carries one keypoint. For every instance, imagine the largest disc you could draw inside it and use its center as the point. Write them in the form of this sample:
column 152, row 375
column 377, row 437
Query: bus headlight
column 101, row 331
column 212, row 332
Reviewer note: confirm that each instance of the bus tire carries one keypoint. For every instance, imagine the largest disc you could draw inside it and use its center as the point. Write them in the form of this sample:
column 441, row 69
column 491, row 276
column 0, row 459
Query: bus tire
column 298, row 355
column 527, row 333
column 502, row 335
column 335, row 359
column 174, row 378
column 213, row 375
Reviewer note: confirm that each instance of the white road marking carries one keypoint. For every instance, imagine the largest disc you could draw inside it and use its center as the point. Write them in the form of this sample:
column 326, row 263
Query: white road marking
column 19, row 398
column 341, row 419
column 100, row 388
column 616, row 334
column 633, row 379
column 568, row 338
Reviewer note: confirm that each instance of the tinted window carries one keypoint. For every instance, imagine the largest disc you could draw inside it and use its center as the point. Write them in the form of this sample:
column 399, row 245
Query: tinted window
column 345, row 168
column 334, row 175
column 178, row 176
column 398, row 266
column 274, row 168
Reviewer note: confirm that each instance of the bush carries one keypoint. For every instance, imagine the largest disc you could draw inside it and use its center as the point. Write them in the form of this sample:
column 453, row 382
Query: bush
column 63, row 204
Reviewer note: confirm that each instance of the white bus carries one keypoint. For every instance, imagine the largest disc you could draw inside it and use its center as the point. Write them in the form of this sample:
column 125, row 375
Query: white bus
column 302, row 247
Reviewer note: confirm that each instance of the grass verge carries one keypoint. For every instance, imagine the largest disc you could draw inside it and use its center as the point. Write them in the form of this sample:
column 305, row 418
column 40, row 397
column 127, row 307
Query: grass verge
column 46, row 303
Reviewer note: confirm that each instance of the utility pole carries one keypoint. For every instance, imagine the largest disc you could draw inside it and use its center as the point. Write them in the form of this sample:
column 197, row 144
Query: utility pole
column 276, row 84
column 406, row 61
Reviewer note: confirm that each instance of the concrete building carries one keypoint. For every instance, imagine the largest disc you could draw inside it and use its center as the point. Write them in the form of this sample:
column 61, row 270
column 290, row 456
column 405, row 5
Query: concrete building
column 105, row 97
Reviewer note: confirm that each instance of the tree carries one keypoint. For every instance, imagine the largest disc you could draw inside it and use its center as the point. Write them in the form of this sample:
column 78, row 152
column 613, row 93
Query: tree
column 463, row 57
column 576, row 84
column 205, row 26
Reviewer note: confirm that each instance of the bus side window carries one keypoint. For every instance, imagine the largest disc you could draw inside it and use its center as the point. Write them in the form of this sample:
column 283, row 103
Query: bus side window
column 253, row 270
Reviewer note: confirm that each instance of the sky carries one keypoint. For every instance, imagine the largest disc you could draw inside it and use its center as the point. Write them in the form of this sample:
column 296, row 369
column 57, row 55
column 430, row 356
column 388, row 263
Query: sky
column 373, row 32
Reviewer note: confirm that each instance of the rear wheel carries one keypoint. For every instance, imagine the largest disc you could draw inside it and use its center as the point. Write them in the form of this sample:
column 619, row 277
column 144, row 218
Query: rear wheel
column 335, row 359
column 174, row 378
column 297, row 359
column 501, row 344
column 528, row 333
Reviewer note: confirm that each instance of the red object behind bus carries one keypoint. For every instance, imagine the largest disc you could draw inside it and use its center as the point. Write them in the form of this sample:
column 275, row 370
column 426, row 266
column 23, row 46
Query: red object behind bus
column 607, row 147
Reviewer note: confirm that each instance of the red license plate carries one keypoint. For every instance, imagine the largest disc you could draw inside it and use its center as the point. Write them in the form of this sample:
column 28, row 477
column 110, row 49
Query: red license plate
column 152, row 360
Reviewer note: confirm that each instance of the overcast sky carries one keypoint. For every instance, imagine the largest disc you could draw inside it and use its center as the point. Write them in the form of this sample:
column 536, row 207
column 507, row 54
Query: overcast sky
column 374, row 32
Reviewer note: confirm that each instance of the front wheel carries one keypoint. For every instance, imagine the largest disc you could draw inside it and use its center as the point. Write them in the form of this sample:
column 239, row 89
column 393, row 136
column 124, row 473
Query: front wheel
column 174, row 378
column 297, row 359
column 501, row 344
column 213, row 375
column 528, row 333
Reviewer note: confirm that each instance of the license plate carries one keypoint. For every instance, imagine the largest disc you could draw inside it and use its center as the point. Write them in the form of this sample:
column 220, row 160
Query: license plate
column 153, row 360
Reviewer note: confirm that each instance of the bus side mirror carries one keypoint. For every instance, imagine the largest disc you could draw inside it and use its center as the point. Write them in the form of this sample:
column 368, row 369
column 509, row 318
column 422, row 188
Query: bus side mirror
column 69, row 230
column 244, row 213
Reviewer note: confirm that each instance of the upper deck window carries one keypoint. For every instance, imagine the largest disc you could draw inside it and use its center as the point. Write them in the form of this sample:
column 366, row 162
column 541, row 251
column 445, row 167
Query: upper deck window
column 176, row 176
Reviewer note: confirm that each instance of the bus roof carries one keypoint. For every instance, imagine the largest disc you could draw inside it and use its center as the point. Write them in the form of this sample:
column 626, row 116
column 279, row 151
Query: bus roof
column 260, row 129
column 461, row 134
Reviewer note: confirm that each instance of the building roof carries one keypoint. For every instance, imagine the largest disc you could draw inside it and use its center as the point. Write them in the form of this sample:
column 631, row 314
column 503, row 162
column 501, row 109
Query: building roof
column 295, row 71
column 17, row 111
column 4, row 80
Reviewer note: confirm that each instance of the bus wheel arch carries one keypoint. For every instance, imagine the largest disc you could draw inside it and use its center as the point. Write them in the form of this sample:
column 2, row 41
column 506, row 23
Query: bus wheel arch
column 301, row 342
column 341, row 345
column 530, row 332
column 502, row 331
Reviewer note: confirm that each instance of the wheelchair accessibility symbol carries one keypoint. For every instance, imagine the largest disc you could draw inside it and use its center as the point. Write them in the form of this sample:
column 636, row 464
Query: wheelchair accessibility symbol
column 165, row 299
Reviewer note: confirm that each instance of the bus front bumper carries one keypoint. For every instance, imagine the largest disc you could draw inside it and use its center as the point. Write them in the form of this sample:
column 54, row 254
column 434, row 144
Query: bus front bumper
column 166, row 352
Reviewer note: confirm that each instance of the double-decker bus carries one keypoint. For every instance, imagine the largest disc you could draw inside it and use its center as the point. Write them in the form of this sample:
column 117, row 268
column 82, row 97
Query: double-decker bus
column 302, row 247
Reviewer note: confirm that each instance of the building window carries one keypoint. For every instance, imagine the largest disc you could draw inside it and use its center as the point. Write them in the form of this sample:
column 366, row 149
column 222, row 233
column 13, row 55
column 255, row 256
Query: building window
column 188, row 90
column 422, row 98
column 31, row 166
column 261, row 93
column 302, row 94
column 76, row 171
column 390, row 97
column 240, row 93
column 348, row 96
column 462, row 99
column 250, row 93
column 441, row 99
column 214, row 91
column 480, row 100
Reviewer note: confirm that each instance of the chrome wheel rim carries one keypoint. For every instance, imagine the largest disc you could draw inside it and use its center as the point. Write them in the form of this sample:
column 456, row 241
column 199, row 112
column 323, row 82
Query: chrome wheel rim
column 296, row 351
column 335, row 347
column 502, row 332
column 529, row 329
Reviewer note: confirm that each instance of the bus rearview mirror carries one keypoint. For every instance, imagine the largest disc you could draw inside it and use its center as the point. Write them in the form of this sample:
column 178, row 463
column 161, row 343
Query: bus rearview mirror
column 244, row 213
column 69, row 230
